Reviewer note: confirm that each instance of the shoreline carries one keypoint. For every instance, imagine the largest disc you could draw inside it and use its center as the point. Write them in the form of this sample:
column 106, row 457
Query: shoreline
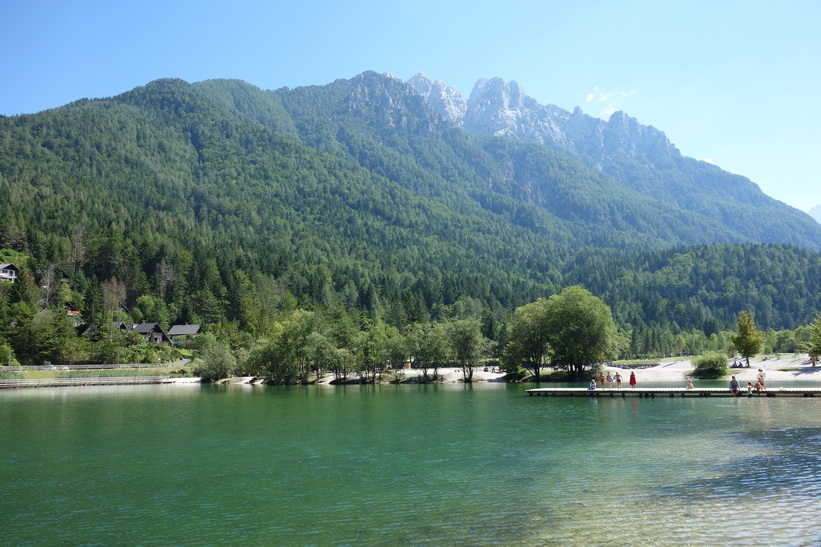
column 670, row 371
column 673, row 371
column 785, row 368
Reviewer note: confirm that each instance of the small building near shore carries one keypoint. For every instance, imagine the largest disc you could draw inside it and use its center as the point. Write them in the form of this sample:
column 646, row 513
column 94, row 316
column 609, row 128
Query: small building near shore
column 180, row 334
column 152, row 332
column 9, row 272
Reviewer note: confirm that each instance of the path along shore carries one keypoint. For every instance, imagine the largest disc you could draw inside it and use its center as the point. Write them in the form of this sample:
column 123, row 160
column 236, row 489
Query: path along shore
column 782, row 368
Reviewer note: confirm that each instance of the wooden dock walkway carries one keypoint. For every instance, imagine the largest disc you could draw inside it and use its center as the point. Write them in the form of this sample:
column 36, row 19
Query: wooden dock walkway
column 102, row 381
column 672, row 392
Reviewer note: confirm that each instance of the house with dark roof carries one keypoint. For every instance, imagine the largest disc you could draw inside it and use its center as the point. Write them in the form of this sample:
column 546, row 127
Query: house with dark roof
column 152, row 332
column 9, row 272
column 179, row 334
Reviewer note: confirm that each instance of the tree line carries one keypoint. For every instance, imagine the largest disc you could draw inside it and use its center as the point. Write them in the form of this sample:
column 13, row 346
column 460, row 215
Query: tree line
column 571, row 330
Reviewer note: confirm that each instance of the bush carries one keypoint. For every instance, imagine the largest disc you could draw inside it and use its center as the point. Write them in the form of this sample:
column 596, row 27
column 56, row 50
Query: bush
column 515, row 376
column 7, row 356
column 709, row 366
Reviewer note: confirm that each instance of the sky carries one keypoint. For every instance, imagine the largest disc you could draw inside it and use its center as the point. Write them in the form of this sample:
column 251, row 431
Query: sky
column 732, row 82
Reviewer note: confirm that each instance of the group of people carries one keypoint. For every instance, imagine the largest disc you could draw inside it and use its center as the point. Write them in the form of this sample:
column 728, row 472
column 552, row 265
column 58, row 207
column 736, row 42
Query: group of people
column 610, row 378
column 735, row 386
column 760, row 384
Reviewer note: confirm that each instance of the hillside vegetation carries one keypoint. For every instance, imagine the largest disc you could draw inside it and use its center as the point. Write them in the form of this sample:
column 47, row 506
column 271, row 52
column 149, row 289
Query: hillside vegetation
column 222, row 204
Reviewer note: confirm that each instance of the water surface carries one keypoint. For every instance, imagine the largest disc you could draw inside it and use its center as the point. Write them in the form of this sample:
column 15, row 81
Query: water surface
column 416, row 465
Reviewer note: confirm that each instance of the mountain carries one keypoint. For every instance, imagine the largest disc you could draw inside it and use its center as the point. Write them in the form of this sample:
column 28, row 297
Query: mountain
column 815, row 213
column 440, row 96
column 226, row 203
column 639, row 157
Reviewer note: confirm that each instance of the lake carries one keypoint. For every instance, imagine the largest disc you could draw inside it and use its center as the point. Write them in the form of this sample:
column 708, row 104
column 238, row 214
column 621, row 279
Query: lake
column 403, row 464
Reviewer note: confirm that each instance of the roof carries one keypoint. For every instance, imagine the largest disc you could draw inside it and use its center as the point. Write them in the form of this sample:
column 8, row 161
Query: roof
column 8, row 266
column 181, row 330
column 145, row 328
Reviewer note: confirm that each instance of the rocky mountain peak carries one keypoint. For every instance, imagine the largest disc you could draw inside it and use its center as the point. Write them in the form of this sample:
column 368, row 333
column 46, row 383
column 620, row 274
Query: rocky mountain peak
column 496, row 107
column 383, row 101
column 624, row 134
column 498, row 91
column 500, row 108
column 446, row 99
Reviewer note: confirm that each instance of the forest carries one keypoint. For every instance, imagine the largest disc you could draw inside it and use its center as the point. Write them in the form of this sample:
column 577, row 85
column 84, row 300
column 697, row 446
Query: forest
column 317, row 215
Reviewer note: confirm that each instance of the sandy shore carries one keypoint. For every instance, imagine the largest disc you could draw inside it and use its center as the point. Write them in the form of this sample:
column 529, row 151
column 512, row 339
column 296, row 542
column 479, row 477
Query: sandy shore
column 784, row 368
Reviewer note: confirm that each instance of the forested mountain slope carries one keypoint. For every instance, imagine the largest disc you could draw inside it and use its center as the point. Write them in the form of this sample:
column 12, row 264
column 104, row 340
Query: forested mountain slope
column 704, row 286
column 228, row 203
column 166, row 175
column 373, row 119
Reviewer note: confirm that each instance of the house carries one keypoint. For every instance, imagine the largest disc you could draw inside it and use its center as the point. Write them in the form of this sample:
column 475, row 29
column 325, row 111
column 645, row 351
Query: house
column 9, row 272
column 179, row 333
column 152, row 332
column 75, row 317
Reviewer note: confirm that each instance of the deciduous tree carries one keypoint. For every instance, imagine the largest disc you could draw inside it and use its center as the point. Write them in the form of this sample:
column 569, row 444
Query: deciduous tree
column 580, row 329
column 215, row 362
column 814, row 345
column 528, row 336
column 428, row 347
column 468, row 344
column 748, row 339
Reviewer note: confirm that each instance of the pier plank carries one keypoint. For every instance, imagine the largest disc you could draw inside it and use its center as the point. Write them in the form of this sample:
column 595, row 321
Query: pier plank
column 672, row 392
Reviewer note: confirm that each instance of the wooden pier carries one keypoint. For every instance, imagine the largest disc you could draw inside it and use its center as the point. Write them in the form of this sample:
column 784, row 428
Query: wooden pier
column 673, row 392
column 102, row 381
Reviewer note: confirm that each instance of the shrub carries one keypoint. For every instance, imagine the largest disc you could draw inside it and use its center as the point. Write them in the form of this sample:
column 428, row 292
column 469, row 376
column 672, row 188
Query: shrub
column 7, row 356
column 710, row 366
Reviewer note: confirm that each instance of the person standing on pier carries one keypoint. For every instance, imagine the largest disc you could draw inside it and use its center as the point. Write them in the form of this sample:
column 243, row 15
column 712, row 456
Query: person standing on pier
column 734, row 385
column 609, row 380
column 761, row 377
column 617, row 377
column 632, row 379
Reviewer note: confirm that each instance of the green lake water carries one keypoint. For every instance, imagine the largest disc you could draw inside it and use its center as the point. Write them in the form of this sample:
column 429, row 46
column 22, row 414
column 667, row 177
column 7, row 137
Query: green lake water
column 412, row 465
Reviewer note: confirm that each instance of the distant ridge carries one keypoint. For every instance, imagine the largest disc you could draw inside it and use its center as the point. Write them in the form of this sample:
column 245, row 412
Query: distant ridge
column 815, row 213
column 639, row 157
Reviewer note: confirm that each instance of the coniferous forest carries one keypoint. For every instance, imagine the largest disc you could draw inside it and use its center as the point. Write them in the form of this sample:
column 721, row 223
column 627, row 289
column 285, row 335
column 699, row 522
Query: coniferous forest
column 339, row 227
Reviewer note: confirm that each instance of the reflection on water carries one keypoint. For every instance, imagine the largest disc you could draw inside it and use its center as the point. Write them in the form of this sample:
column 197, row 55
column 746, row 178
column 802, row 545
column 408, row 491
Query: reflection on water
column 446, row 464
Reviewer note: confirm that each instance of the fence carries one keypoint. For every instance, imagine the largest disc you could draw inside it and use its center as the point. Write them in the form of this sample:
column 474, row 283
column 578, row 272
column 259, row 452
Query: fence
column 102, row 381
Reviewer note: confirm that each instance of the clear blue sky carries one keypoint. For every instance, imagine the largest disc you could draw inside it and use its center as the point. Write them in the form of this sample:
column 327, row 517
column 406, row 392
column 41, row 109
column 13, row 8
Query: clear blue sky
column 734, row 82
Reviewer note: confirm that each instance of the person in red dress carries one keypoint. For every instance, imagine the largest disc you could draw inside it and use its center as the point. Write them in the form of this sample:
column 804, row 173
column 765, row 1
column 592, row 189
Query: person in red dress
column 633, row 380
